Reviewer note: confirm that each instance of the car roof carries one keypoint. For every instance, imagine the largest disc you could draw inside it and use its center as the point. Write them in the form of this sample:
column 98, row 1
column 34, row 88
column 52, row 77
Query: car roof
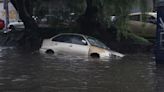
column 154, row 14
column 70, row 34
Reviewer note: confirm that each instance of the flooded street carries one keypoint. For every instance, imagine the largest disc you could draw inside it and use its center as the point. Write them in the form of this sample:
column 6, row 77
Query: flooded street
column 42, row 73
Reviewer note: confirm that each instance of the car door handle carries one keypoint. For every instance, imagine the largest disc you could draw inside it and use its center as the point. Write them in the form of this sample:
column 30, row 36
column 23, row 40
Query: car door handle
column 56, row 44
column 70, row 45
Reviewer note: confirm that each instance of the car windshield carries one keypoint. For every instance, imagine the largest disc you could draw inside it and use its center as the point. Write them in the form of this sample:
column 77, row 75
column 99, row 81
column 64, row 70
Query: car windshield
column 97, row 43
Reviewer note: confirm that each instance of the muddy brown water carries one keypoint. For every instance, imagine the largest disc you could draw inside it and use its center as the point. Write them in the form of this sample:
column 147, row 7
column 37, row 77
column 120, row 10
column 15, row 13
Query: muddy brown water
column 37, row 72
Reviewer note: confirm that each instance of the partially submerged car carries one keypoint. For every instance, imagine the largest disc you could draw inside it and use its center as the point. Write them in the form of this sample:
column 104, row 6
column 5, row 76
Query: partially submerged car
column 77, row 44
column 143, row 24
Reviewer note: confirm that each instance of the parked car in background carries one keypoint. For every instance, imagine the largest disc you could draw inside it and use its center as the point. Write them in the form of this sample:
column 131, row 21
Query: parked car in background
column 2, row 24
column 143, row 24
column 77, row 44
column 17, row 25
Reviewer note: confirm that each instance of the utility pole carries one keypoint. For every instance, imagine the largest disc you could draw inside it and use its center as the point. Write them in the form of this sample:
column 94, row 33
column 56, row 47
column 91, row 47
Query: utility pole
column 159, row 49
column 5, row 2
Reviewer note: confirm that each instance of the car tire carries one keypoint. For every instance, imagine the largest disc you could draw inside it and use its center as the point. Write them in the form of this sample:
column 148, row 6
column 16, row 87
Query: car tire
column 12, row 27
column 95, row 55
column 49, row 52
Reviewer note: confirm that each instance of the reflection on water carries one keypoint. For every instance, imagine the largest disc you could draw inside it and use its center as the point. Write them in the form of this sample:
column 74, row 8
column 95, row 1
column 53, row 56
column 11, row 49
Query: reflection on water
column 42, row 73
column 159, row 78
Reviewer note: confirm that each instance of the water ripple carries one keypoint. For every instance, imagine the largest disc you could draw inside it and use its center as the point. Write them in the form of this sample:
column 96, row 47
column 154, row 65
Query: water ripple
column 48, row 73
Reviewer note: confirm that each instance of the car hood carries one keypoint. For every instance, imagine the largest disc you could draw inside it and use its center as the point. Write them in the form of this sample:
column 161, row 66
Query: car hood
column 114, row 53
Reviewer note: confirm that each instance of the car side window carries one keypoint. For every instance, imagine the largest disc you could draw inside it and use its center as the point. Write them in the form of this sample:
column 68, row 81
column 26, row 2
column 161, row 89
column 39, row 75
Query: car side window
column 62, row 38
column 78, row 40
column 151, row 19
column 135, row 17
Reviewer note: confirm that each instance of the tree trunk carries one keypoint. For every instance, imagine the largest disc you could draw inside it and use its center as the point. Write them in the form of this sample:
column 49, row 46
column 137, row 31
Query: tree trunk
column 31, row 39
column 89, row 21
column 24, row 8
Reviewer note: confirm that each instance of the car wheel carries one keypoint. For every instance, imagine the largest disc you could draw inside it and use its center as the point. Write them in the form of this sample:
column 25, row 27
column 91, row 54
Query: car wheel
column 12, row 27
column 95, row 55
column 50, row 52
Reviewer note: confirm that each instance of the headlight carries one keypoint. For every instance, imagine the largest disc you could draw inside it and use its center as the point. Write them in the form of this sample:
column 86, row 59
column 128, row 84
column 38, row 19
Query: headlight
column 106, row 54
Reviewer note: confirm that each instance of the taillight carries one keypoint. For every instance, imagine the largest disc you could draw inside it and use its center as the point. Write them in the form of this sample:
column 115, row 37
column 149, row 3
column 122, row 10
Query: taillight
column 2, row 24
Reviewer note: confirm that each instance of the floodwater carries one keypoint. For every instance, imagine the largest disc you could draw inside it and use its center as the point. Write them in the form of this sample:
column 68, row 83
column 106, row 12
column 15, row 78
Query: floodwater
column 47, row 73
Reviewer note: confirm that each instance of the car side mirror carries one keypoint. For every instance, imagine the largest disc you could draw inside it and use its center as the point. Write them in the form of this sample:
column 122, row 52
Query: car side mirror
column 84, row 42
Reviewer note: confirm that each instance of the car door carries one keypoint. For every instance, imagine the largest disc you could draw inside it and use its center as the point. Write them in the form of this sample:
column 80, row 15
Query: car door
column 61, row 44
column 135, row 24
column 79, row 45
column 149, row 26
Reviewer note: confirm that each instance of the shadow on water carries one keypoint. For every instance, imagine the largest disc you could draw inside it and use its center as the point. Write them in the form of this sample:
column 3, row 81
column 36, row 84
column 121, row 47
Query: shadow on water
column 20, row 72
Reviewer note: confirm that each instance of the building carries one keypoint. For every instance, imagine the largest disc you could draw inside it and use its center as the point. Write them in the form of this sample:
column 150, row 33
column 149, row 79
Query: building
column 13, row 14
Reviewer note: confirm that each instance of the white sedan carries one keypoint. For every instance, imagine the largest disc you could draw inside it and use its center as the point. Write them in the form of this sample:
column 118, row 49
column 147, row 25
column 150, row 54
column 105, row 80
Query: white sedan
column 77, row 44
column 18, row 25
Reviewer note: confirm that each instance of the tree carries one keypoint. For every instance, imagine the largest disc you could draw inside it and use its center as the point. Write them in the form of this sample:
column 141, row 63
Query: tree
column 94, row 19
column 30, row 38
column 25, row 10
column 97, row 14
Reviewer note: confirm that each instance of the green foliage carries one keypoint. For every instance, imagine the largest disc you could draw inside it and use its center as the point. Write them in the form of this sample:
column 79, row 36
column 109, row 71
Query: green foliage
column 121, row 9
column 138, row 40
column 61, row 10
